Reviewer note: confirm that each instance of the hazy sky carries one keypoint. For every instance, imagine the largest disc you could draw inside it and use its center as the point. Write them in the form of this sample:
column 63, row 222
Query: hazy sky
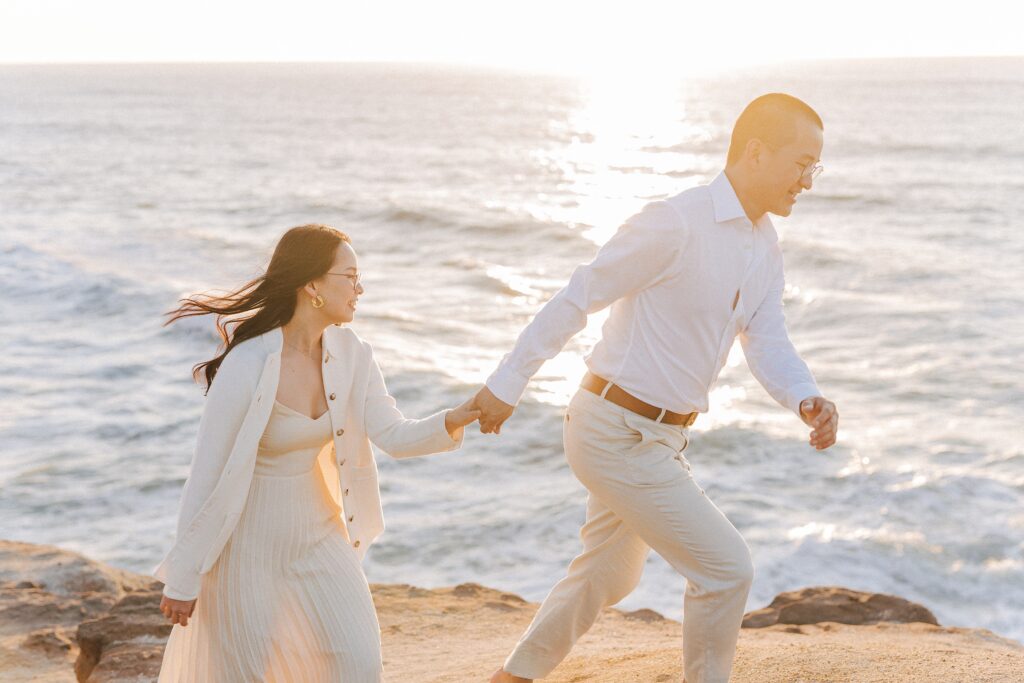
column 529, row 34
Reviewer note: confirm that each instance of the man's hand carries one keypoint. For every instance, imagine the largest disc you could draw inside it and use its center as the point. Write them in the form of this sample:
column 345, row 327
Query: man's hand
column 178, row 611
column 821, row 414
column 493, row 411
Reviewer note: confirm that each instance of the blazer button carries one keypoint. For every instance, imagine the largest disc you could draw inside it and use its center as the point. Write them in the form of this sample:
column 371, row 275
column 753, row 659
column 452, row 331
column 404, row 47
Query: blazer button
column 327, row 359
column 332, row 396
column 351, row 517
column 346, row 492
column 340, row 432
column 356, row 544
column 342, row 463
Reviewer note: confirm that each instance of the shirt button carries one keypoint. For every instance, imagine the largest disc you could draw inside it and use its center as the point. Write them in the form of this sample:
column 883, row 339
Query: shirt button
column 332, row 396
column 327, row 359
column 340, row 432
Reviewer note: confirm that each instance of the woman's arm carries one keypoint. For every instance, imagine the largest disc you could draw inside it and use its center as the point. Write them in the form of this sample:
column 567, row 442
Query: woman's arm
column 402, row 437
column 227, row 403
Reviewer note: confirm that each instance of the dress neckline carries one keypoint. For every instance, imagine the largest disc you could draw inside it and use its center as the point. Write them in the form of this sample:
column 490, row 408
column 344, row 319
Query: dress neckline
column 311, row 419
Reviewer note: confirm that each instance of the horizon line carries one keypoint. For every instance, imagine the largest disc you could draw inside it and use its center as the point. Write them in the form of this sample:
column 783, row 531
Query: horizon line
column 501, row 66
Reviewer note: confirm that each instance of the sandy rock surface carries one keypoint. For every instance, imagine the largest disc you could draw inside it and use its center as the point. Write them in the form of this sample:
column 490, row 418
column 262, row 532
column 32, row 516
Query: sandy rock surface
column 65, row 618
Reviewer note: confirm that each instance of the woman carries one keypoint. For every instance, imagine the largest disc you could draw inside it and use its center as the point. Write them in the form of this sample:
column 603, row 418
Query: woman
column 264, row 581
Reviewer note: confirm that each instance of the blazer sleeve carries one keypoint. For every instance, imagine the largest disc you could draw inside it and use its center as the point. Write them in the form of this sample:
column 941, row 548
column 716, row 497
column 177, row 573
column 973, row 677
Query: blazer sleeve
column 392, row 432
column 226, row 405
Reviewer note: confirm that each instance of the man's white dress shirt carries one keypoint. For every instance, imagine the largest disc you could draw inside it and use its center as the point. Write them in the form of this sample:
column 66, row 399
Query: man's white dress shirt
column 671, row 274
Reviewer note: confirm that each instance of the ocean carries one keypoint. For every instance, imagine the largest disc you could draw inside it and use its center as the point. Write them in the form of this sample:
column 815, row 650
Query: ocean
column 470, row 194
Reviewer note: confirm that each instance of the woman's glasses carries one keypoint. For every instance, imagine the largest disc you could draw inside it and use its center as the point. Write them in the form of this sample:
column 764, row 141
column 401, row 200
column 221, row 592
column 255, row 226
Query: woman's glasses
column 354, row 277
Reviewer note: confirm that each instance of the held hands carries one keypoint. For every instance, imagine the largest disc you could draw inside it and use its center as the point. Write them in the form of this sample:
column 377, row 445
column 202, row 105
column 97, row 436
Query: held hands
column 493, row 411
column 821, row 414
column 178, row 611
column 486, row 407
column 457, row 418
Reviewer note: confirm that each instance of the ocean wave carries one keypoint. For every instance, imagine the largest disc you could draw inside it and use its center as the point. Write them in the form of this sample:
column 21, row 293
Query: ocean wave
column 505, row 280
column 711, row 146
column 953, row 149
column 434, row 219
column 843, row 198
column 66, row 289
column 415, row 217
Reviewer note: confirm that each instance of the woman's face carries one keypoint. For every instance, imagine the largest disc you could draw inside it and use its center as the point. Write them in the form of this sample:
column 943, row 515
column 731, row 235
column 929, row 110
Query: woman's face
column 340, row 286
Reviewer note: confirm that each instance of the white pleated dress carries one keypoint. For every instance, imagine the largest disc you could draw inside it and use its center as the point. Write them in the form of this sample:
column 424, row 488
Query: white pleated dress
column 287, row 600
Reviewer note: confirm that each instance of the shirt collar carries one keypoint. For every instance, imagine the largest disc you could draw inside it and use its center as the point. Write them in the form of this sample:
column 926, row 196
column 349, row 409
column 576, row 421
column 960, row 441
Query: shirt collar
column 723, row 197
column 728, row 208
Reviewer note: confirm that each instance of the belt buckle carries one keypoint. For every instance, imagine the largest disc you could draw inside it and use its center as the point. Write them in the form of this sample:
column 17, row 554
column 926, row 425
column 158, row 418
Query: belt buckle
column 690, row 419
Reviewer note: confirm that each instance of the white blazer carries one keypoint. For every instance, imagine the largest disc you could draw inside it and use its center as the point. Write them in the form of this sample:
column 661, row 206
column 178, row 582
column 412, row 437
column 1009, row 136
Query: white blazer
column 237, row 410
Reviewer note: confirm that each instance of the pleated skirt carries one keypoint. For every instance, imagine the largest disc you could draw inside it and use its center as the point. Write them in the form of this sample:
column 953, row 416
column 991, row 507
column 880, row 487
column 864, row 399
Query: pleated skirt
column 287, row 600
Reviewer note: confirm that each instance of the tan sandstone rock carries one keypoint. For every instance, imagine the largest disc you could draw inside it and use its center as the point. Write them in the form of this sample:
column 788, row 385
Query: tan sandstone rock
column 61, row 613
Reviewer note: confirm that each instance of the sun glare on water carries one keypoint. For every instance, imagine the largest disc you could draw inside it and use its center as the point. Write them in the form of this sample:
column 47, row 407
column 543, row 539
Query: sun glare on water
column 625, row 147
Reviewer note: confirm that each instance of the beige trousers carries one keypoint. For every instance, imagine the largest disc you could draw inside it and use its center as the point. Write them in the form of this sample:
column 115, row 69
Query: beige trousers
column 642, row 496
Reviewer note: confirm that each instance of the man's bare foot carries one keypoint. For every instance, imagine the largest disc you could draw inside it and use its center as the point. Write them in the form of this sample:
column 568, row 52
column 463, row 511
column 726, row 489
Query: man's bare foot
column 502, row 676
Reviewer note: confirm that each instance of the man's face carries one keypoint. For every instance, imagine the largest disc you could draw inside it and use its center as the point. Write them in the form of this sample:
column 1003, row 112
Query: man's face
column 784, row 173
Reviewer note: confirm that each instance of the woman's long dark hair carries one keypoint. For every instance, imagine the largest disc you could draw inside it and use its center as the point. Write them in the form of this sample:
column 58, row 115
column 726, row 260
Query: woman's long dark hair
column 302, row 255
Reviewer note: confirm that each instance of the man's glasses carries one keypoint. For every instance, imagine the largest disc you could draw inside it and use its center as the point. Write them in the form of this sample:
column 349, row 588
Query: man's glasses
column 811, row 172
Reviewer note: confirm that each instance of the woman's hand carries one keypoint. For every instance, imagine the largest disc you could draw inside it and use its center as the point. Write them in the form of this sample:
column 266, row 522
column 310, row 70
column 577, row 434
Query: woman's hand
column 457, row 418
column 821, row 414
column 178, row 611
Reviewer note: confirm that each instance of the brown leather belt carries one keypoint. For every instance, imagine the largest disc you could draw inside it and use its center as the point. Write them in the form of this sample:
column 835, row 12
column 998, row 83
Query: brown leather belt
column 621, row 397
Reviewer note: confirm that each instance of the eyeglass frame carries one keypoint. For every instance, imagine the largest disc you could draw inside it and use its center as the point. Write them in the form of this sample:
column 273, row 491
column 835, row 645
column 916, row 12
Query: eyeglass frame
column 356, row 279
column 810, row 171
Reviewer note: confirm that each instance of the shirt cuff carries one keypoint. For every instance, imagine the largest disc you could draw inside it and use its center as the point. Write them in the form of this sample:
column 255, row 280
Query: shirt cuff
column 436, row 438
column 799, row 392
column 507, row 386
column 177, row 595
column 180, row 583
column 445, row 437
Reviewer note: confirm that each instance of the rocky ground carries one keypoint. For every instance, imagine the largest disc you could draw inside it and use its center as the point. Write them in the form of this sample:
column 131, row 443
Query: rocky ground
column 64, row 617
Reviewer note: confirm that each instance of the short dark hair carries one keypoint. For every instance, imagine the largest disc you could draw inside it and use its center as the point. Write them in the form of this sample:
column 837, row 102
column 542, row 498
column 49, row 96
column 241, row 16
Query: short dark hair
column 769, row 118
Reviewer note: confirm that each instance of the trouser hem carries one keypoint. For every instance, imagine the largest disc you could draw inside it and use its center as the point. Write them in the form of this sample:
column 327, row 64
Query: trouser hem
column 528, row 665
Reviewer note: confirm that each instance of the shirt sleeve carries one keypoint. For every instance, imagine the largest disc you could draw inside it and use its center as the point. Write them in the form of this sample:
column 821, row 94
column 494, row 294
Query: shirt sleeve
column 770, row 354
column 639, row 255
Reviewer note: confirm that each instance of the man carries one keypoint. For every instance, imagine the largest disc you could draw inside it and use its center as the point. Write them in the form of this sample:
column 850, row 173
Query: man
column 684, row 277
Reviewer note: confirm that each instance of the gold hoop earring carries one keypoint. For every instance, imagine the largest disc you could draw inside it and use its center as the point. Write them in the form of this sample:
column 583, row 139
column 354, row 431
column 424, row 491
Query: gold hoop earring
column 318, row 302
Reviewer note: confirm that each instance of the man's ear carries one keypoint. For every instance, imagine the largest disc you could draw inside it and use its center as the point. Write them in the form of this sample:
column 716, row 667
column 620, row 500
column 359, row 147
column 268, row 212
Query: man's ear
column 753, row 151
